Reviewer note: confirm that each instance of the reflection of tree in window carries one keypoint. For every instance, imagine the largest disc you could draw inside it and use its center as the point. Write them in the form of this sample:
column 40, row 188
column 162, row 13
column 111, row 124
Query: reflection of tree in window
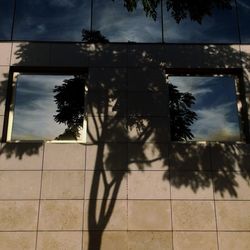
column 181, row 115
column 70, row 99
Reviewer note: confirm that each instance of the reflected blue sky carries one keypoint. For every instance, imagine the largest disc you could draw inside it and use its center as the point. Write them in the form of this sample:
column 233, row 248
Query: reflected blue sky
column 6, row 16
column 51, row 20
column 119, row 25
column 63, row 20
column 215, row 106
column 244, row 19
column 221, row 27
column 35, row 107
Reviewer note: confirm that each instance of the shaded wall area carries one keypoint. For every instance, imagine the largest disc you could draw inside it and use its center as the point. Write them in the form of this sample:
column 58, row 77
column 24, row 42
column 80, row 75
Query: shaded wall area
column 124, row 189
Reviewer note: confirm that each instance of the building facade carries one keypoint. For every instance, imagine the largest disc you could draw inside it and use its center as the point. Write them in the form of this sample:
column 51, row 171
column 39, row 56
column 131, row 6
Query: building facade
column 132, row 168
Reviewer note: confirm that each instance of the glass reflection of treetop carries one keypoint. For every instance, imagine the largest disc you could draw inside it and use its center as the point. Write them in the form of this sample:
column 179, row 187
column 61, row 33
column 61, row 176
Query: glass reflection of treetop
column 35, row 108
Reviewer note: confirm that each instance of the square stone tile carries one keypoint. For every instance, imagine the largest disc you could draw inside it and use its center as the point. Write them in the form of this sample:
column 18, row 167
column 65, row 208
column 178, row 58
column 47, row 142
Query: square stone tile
column 61, row 215
column 189, row 156
column 215, row 56
column 4, row 74
column 5, row 49
column 230, row 157
column 114, row 156
column 63, row 185
column 195, row 241
column 139, row 188
column 18, row 215
column 146, row 55
column 30, row 54
column 59, row 240
column 64, row 156
column 182, row 55
column 149, row 215
column 107, row 102
column 148, row 156
column 158, row 127
column 147, row 79
column 110, row 55
column 150, row 103
column 108, row 214
column 231, row 185
column 116, row 131
column 106, row 190
column 20, row 184
column 234, row 240
column 69, row 55
column 110, row 240
column 243, row 151
column 105, row 78
column 149, row 240
column 233, row 215
column 17, row 240
column 21, row 156
column 193, row 215
column 191, row 185
column 1, row 126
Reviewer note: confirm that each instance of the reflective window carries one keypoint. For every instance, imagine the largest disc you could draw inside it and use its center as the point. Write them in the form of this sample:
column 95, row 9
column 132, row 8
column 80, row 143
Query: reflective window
column 244, row 19
column 114, row 22
column 47, row 107
column 203, row 108
column 51, row 20
column 6, row 18
column 220, row 27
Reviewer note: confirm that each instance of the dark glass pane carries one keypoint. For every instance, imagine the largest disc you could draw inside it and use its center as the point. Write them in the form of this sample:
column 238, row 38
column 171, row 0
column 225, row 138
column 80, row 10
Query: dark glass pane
column 51, row 20
column 36, row 107
column 220, row 27
column 215, row 106
column 244, row 19
column 118, row 25
column 6, row 17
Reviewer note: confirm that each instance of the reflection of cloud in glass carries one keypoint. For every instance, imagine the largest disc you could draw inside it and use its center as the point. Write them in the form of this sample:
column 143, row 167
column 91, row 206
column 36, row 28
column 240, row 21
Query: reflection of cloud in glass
column 6, row 12
column 218, row 28
column 244, row 19
column 119, row 25
column 215, row 106
column 51, row 21
column 35, row 107
column 63, row 3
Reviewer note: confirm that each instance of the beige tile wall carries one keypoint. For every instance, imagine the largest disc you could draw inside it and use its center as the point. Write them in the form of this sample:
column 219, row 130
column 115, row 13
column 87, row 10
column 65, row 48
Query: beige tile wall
column 152, row 195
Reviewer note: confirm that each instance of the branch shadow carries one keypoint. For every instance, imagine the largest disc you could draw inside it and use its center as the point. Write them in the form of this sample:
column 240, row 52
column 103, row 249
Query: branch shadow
column 115, row 117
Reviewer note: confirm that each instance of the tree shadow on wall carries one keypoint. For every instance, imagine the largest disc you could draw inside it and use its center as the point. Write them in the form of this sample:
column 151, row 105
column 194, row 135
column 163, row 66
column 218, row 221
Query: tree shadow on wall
column 116, row 115
column 110, row 120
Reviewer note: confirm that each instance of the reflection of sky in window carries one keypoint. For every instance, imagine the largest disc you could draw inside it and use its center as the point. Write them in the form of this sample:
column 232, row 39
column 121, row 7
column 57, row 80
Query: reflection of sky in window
column 119, row 25
column 215, row 106
column 221, row 27
column 244, row 19
column 6, row 12
column 51, row 20
column 35, row 107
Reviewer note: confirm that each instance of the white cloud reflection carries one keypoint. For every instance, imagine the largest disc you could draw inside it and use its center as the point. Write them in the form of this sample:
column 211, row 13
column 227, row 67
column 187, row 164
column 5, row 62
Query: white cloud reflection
column 62, row 3
column 35, row 107
column 216, row 109
column 119, row 25
column 214, row 124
